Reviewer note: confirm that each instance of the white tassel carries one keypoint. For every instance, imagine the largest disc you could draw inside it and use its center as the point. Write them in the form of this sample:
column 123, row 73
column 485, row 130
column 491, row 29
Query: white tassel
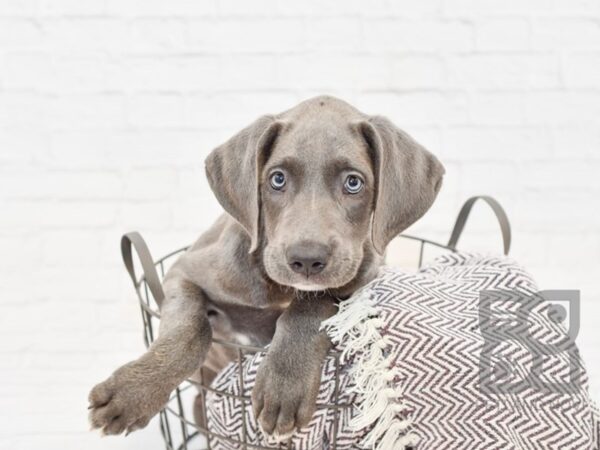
column 356, row 327
column 395, row 438
column 350, row 314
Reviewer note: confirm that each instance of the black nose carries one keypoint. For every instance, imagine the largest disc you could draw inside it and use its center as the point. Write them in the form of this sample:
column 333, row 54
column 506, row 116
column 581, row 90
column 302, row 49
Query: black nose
column 308, row 257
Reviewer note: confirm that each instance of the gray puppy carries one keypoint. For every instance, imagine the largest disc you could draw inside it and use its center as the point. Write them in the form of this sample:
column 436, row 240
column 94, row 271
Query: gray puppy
column 312, row 198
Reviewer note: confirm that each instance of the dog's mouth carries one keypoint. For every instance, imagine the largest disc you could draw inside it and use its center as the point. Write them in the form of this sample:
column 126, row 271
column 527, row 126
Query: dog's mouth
column 301, row 282
column 320, row 282
column 308, row 286
column 338, row 272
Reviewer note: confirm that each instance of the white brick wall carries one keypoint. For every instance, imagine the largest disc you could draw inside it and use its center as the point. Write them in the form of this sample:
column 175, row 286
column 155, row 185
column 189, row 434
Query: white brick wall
column 108, row 108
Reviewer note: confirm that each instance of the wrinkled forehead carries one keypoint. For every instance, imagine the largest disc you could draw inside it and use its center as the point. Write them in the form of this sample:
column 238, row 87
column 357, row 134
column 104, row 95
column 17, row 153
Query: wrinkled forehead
column 322, row 146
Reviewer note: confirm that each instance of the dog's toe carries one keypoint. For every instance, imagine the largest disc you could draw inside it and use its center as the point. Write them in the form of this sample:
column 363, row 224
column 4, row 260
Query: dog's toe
column 278, row 421
column 100, row 395
column 286, row 421
column 116, row 426
column 268, row 418
column 104, row 415
column 137, row 425
column 111, row 419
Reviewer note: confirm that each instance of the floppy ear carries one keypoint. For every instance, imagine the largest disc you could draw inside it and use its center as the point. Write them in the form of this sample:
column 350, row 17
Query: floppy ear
column 233, row 171
column 408, row 179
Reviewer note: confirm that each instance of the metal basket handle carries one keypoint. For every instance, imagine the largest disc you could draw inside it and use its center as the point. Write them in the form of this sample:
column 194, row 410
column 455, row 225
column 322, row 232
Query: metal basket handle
column 463, row 215
column 150, row 275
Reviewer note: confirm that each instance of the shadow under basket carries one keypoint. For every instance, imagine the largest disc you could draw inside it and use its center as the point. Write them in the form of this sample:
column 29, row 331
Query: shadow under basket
column 177, row 425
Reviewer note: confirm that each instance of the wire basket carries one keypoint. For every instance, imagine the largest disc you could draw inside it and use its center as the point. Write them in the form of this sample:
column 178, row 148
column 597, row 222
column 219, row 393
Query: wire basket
column 177, row 426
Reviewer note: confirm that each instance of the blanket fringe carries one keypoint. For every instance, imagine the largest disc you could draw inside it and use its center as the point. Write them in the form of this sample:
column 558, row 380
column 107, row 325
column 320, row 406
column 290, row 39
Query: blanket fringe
column 356, row 327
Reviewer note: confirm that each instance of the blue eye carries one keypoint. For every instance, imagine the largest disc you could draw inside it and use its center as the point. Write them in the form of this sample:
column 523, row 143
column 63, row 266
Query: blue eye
column 277, row 180
column 353, row 184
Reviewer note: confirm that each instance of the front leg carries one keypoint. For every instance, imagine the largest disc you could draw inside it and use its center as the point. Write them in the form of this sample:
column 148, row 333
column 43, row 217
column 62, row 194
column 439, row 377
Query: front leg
column 288, row 379
column 135, row 392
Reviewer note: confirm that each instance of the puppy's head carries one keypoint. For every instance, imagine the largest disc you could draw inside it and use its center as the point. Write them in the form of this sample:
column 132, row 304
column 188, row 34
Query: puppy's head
column 316, row 186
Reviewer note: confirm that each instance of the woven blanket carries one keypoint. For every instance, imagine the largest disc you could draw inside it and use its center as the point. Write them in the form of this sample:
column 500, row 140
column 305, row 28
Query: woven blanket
column 425, row 364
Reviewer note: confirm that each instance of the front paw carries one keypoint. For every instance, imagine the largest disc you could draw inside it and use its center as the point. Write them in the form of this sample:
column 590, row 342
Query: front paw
column 284, row 399
column 126, row 401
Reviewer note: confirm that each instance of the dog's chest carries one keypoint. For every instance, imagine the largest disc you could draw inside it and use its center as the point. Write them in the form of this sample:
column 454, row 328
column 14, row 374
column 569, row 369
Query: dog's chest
column 249, row 319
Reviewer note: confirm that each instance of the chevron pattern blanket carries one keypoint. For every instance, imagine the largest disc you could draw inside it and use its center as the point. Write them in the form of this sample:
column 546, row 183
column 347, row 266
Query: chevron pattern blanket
column 413, row 349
